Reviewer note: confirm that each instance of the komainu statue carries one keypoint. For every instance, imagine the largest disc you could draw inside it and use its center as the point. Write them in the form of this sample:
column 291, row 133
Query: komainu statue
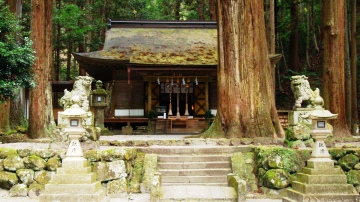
column 303, row 94
column 81, row 88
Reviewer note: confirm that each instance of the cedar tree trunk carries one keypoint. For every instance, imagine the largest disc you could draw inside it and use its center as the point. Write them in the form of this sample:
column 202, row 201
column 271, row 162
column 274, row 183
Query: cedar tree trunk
column 246, row 106
column 40, row 113
column 333, row 67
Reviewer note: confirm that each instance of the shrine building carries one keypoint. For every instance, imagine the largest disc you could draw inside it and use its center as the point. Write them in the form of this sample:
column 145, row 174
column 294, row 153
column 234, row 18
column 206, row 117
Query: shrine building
column 167, row 66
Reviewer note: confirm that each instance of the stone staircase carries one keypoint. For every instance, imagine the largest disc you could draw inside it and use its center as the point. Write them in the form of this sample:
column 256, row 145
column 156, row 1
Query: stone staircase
column 196, row 174
column 194, row 169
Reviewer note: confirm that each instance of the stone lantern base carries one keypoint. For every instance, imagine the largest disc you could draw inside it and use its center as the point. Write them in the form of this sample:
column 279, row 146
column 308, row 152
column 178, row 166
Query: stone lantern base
column 321, row 181
column 74, row 181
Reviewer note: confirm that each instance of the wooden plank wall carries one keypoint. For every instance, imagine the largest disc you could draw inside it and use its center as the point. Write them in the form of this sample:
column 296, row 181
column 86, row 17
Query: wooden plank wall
column 128, row 96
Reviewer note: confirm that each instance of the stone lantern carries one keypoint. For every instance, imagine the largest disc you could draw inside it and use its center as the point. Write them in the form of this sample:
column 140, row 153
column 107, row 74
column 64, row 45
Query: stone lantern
column 74, row 181
column 74, row 116
column 320, row 180
column 320, row 132
column 99, row 102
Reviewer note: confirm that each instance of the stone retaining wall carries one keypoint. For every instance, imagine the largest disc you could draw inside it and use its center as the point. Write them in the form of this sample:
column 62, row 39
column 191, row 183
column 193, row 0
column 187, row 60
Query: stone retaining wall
column 277, row 166
column 26, row 171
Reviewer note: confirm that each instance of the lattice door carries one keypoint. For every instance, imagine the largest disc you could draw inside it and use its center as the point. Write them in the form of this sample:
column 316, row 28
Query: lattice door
column 155, row 95
column 199, row 99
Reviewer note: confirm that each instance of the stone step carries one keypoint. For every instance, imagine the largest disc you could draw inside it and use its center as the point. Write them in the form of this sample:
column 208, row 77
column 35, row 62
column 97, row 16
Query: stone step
column 75, row 162
column 198, row 193
column 193, row 158
column 72, row 188
column 194, row 165
column 195, row 150
column 195, row 172
column 322, row 188
column 218, row 184
column 321, row 179
column 73, row 178
column 331, row 171
column 293, row 195
column 99, row 196
column 85, row 170
column 194, row 179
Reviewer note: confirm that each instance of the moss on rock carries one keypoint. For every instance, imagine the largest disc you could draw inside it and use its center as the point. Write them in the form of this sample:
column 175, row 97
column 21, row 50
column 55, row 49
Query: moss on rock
column 348, row 161
column 13, row 162
column 8, row 179
column 353, row 177
column 137, row 174
column 5, row 152
column 337, row 153
column 53, row 163
column 279, row 158
column 276, row 179
column 34, row 162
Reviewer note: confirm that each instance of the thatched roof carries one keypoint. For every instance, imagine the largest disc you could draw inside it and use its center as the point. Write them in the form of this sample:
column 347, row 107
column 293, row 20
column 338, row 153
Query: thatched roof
column 165, row 46
column 155, row 43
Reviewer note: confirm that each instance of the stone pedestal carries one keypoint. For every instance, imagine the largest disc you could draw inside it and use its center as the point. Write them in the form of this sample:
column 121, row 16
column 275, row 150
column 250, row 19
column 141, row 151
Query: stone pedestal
column 297, row 116
column 99, row 120
column 74, row 181
column 321, row 181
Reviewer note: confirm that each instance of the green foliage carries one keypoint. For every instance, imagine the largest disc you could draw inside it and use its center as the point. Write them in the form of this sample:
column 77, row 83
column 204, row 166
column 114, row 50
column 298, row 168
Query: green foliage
column 208, row 114
column 16, row 55
column 151, row 114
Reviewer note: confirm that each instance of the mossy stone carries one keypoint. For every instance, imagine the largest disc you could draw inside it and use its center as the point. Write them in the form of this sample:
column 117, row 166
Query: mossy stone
column 35, row 189
column 337, row 153
column 348, row 161
column 93, row 155
column 34, row 162
column 18, row 190
column 13, row 162
column 26, row 176
column 8, row 179
column 279, row 158
column 353, row 177
column 136, row 174
column 113, row 154
column 276, row 179
column 53, row 163
column 5, row 152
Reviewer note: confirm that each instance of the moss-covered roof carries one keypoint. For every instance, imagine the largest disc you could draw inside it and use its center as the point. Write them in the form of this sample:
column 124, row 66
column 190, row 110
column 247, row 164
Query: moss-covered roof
column 167, row 46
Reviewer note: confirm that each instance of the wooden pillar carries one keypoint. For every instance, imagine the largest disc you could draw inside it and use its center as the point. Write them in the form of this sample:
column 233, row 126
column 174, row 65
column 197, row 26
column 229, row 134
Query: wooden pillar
column 149, row 95
column 206, row 95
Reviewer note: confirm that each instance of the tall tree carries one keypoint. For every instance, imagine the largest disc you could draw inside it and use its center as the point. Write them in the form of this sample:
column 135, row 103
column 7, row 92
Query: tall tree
column 201, row 12
column 245, row 96
column 212, row 6
column 333, row 67
column 17, row 58
column 294, row 36
column 353, row 67
column 40, row 114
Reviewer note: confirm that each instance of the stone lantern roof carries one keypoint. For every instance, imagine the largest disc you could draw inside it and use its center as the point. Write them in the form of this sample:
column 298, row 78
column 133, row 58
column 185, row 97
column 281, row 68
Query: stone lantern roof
column 322, row 114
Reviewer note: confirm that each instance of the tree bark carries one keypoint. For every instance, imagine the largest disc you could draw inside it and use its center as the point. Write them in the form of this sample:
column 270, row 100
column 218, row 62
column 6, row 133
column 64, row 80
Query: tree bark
column 212, row 6
column 245, row 97
column 40, row 113
column 201, row 14
column 177, row 9
column 4, row 117
column 333, row 67
column 347, row 67
column 294, row 37
column 353, row 53
column 17, row 106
